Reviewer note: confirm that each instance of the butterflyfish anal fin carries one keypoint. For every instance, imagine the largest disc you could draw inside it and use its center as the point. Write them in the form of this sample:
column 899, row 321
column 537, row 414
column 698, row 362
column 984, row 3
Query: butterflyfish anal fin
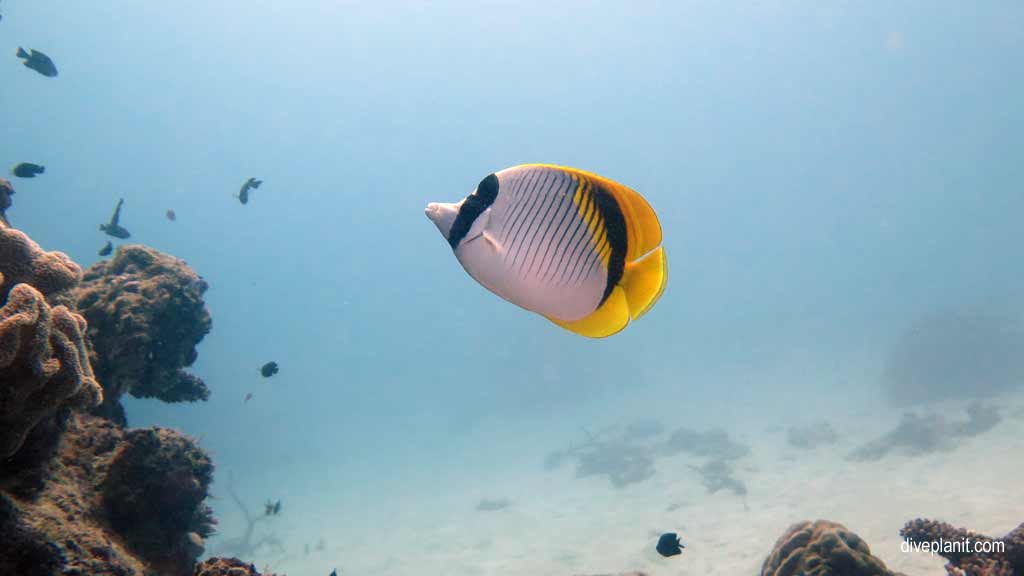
column 609, row 318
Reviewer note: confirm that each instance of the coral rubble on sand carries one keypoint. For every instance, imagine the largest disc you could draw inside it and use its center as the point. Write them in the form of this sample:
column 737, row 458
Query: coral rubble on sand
column 146, row 315
column 1004, row 559
column 822, row 548
column 811, row 436
column 920, row 434
column 629, row 457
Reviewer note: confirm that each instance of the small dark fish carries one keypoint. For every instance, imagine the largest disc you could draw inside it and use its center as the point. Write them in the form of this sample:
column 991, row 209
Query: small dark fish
column 669, row 545
column 333, row 572
column 171, row 215
column 248, row 397
column 106, row 250
column 28, row 170
column 277, row 508
column 250, row 184
column 114, row 229
column 38, row 61
column 269, row 369
column 268, row 508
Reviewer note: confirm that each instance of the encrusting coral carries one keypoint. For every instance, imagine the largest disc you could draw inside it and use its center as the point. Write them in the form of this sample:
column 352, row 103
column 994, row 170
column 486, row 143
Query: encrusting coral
column 22, row 261
column 822, row 548
column 43, row 360
column 43, row 364
column 109, row 501
column 226, row 567
column 153, row 495
column 146, row 315
column 996, row 557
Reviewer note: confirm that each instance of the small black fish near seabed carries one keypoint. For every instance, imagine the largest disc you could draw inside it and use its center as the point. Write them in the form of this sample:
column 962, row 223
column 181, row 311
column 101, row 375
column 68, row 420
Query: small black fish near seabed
column 669, row 545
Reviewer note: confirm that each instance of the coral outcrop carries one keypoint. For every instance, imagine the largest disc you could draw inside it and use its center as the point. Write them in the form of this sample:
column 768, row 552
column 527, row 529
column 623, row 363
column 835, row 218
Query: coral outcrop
column 78, row 493
column 43, row 364
column 969, row 553
column 109, row 502
column 22, row 261
column 822, row 548
column 43, row 361
column 154, row 497
column 6, row 191
column 146, row 315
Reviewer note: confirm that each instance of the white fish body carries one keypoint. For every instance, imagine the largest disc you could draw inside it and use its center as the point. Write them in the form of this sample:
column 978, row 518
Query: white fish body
column 575, row 247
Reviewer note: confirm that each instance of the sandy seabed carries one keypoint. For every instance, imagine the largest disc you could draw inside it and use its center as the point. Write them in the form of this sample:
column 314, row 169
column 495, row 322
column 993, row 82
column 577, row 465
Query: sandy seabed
column 557, row 524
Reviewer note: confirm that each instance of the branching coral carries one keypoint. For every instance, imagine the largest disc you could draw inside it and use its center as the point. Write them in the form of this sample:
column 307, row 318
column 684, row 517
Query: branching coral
column 43, row 364
column 821, row 548
column 146, row 315
column 969, row 553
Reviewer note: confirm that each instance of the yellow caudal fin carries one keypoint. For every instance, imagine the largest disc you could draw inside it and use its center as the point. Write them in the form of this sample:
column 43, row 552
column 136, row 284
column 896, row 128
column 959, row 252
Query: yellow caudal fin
column 643, row 282
column 642, row 227
column 610, row 318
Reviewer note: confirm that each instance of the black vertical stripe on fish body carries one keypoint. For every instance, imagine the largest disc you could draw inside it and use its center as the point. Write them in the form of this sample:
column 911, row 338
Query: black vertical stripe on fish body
column 578, row 252
column 617, row 237
column 475, row 204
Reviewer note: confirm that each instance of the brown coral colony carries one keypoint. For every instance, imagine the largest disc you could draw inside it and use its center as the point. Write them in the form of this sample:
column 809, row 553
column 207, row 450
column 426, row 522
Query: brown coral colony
column 79, row 494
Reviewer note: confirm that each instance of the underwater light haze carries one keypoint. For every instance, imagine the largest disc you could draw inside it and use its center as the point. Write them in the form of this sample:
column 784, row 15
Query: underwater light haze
column 827, row 175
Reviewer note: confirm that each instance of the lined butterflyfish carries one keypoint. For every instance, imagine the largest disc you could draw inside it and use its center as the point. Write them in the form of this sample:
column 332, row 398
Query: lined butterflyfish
column 579, row 249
